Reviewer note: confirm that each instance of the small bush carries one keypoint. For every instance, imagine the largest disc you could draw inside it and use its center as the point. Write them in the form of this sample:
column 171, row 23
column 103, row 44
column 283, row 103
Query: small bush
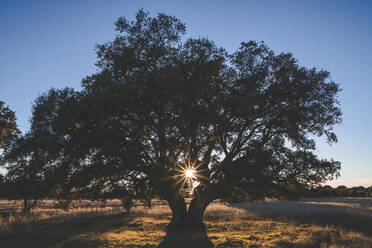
column 127, row 203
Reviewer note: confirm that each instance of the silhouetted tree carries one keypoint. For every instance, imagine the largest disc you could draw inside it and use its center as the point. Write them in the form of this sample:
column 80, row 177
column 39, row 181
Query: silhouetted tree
column 341, row 190
column 18, row 182
column 159, row 105
column 359, row 191
column 369, row 191
column 8, row 125
column 326, row 191
column 145, row 193
column 24, row 177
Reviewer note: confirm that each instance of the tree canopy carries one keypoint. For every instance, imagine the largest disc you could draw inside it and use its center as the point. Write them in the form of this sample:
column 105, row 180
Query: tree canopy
column 160, row 105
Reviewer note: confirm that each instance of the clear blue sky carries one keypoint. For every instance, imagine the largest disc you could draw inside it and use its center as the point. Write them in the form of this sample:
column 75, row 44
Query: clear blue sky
column 46, row 44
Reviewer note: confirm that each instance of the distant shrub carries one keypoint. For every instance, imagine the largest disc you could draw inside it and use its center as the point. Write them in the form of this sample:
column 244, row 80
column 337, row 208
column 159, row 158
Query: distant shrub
column 127, row 203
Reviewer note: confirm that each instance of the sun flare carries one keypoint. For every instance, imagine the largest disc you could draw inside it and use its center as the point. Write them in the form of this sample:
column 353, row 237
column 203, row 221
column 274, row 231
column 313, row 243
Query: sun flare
column 190, row 173
column 188, row 177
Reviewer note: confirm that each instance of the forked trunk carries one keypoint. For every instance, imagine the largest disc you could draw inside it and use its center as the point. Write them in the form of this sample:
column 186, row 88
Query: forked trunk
column 191, row 218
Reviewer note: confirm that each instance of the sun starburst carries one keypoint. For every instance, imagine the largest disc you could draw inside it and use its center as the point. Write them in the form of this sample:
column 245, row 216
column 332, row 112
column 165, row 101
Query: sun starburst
column 187, row 177
column 190, row 173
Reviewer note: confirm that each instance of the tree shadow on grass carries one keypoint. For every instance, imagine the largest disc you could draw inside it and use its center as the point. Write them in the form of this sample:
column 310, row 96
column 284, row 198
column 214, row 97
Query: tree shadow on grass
column 75, row 232
column 190, row 238
column 88, row 231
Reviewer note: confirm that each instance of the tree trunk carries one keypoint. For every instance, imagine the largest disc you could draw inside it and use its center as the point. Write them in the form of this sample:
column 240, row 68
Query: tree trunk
column 198, row 205
column 179, row 213
column 188, row 219
column 195, row 213
column 27, row 206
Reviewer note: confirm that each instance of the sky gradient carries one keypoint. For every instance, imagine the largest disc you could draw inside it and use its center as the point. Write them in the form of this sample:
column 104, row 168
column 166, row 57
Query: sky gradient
column 45, row 44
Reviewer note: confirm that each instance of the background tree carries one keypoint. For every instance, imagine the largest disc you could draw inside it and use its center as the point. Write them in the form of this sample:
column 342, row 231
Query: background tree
column 187, row 115
column 24, row 177
column 8, row 125
column 341, row 190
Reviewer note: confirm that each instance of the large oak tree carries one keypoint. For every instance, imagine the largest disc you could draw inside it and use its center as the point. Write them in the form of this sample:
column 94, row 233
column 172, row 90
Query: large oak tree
column 183, row 115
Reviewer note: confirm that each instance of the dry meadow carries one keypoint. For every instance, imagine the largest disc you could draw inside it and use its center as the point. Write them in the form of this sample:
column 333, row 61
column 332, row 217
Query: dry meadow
column 339, row 222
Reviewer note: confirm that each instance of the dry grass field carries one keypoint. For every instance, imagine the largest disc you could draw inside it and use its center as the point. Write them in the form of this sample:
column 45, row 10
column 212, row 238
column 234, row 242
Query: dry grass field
column 308, row 223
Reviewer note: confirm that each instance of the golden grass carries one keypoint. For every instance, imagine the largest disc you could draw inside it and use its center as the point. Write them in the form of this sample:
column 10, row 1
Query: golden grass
column 302, row 224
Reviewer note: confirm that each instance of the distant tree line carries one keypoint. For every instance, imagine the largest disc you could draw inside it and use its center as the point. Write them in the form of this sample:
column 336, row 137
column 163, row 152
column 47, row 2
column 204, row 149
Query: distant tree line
column 298, row 192
column 340, row 191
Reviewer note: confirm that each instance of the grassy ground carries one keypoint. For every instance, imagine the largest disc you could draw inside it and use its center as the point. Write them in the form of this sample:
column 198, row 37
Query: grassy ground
column 315, row 223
